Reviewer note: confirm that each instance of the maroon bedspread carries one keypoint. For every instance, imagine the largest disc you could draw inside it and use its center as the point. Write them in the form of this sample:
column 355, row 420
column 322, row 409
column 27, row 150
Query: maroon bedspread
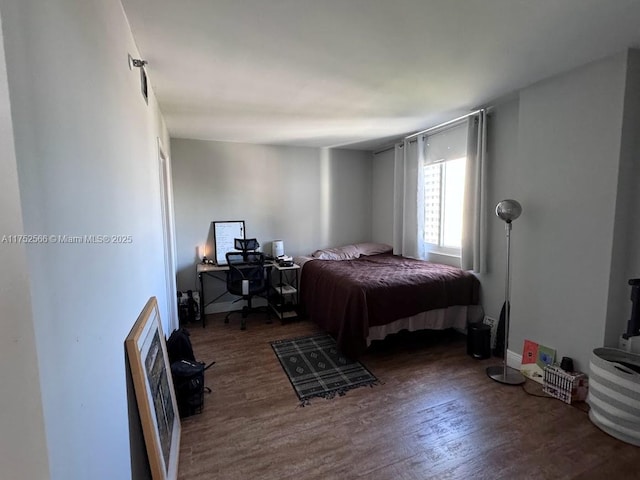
column 345, row 297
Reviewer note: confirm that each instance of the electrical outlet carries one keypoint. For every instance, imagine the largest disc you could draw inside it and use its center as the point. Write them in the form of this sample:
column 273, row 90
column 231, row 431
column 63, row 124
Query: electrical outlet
column 489, row 321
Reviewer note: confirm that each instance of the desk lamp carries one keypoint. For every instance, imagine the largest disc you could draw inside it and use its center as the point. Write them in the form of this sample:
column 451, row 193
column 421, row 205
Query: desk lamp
column 507, row 210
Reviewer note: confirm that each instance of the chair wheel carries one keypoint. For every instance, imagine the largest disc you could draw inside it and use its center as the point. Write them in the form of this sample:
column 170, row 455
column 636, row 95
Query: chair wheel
column 243, row 325
column 226, row 319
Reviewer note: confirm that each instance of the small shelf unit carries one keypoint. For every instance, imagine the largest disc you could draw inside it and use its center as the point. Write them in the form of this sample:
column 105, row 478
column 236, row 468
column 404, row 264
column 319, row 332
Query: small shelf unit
column 284, row 298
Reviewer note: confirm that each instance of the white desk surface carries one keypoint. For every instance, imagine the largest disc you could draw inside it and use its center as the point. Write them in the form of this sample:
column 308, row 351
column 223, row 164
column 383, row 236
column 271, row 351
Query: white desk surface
column 207, row 267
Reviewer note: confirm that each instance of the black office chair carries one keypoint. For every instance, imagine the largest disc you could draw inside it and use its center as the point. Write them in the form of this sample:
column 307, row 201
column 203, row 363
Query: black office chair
column 246, row 245
column 247, row 277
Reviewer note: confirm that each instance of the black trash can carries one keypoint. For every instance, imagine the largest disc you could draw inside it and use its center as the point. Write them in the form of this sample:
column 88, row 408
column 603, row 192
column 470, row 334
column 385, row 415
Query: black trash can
column 479, row 340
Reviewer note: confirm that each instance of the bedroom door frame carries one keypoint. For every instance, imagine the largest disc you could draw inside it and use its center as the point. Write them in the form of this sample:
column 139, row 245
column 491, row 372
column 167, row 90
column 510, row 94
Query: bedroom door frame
column 168, row 236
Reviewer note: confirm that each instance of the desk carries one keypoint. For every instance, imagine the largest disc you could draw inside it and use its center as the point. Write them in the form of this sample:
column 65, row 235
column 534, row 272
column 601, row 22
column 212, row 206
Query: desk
column 208, row 270
column 204, row 269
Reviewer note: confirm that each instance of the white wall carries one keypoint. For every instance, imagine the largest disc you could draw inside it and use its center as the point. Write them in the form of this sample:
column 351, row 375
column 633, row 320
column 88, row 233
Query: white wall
column 625, row 262
column 308, row 197
column 23, row 449
column 86, row 148
column 502, row 166
column 569, row 131
column 348, row 176
column 382, row 196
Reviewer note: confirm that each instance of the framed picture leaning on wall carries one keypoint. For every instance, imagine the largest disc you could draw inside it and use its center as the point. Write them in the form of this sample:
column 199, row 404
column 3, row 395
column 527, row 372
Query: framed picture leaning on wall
column 155, row 397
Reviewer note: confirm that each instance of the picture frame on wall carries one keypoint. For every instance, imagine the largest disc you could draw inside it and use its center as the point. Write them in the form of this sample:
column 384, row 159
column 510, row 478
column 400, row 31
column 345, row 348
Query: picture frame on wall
column 155, row 395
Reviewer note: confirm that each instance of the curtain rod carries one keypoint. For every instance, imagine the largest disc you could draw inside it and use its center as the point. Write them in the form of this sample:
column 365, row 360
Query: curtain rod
column 390, row 147
column 384, row 149
column 421, row 132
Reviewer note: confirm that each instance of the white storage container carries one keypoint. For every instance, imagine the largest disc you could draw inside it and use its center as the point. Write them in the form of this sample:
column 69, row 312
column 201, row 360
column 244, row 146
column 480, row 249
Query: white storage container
column 614, row 393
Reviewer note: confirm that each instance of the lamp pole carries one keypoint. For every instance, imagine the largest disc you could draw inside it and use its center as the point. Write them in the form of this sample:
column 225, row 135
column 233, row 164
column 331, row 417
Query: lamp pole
column 507, row 210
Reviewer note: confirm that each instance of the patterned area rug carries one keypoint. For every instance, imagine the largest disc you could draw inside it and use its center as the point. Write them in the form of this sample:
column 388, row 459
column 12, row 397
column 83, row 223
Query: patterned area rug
column 316, row 368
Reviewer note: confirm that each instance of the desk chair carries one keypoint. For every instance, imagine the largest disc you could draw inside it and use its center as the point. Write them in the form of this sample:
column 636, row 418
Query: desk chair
column 246, row 245
column 247, row 277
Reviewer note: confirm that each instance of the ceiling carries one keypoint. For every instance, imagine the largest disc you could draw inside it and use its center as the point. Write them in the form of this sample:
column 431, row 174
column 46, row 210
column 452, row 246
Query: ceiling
column 358, row 73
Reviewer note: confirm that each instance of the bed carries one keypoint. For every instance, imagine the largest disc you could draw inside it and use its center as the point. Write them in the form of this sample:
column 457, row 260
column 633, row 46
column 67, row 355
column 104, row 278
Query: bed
column 362, row 292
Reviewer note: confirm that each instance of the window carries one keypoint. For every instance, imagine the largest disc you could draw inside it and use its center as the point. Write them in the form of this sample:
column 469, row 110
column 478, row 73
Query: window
column 444, row 178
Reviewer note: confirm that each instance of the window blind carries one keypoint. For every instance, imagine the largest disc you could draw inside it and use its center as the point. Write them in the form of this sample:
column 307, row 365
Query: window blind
column 447, row 144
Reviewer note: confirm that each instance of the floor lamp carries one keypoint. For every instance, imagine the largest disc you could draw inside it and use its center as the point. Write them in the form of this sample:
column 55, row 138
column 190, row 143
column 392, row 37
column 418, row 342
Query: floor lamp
column 507, row 210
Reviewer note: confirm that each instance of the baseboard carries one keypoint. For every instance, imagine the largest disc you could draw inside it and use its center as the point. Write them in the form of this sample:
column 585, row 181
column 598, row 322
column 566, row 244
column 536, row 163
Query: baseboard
column 514, row 360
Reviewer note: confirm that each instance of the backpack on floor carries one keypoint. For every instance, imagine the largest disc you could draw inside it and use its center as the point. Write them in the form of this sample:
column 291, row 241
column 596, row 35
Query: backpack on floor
column 188, row 383
column 187, row 373
column 179, row 346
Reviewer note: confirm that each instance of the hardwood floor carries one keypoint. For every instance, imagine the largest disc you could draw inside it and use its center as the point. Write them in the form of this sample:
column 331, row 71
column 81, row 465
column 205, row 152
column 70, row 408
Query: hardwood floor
column 435, row 416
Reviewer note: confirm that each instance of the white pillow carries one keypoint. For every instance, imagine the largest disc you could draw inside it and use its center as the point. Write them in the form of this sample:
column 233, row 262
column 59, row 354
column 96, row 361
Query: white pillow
column 349, row 252
column 371, row 248
column 346, row 252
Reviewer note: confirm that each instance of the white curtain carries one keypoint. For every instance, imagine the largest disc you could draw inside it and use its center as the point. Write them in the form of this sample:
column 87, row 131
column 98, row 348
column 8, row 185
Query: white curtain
column 408, row 211
column 398, row 198
column 473, row 255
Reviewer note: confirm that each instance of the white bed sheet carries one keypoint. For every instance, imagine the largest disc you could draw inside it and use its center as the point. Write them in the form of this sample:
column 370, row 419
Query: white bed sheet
column 457, row 316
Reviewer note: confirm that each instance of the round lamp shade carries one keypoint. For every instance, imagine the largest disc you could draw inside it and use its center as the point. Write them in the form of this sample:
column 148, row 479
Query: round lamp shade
column 508, row 210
